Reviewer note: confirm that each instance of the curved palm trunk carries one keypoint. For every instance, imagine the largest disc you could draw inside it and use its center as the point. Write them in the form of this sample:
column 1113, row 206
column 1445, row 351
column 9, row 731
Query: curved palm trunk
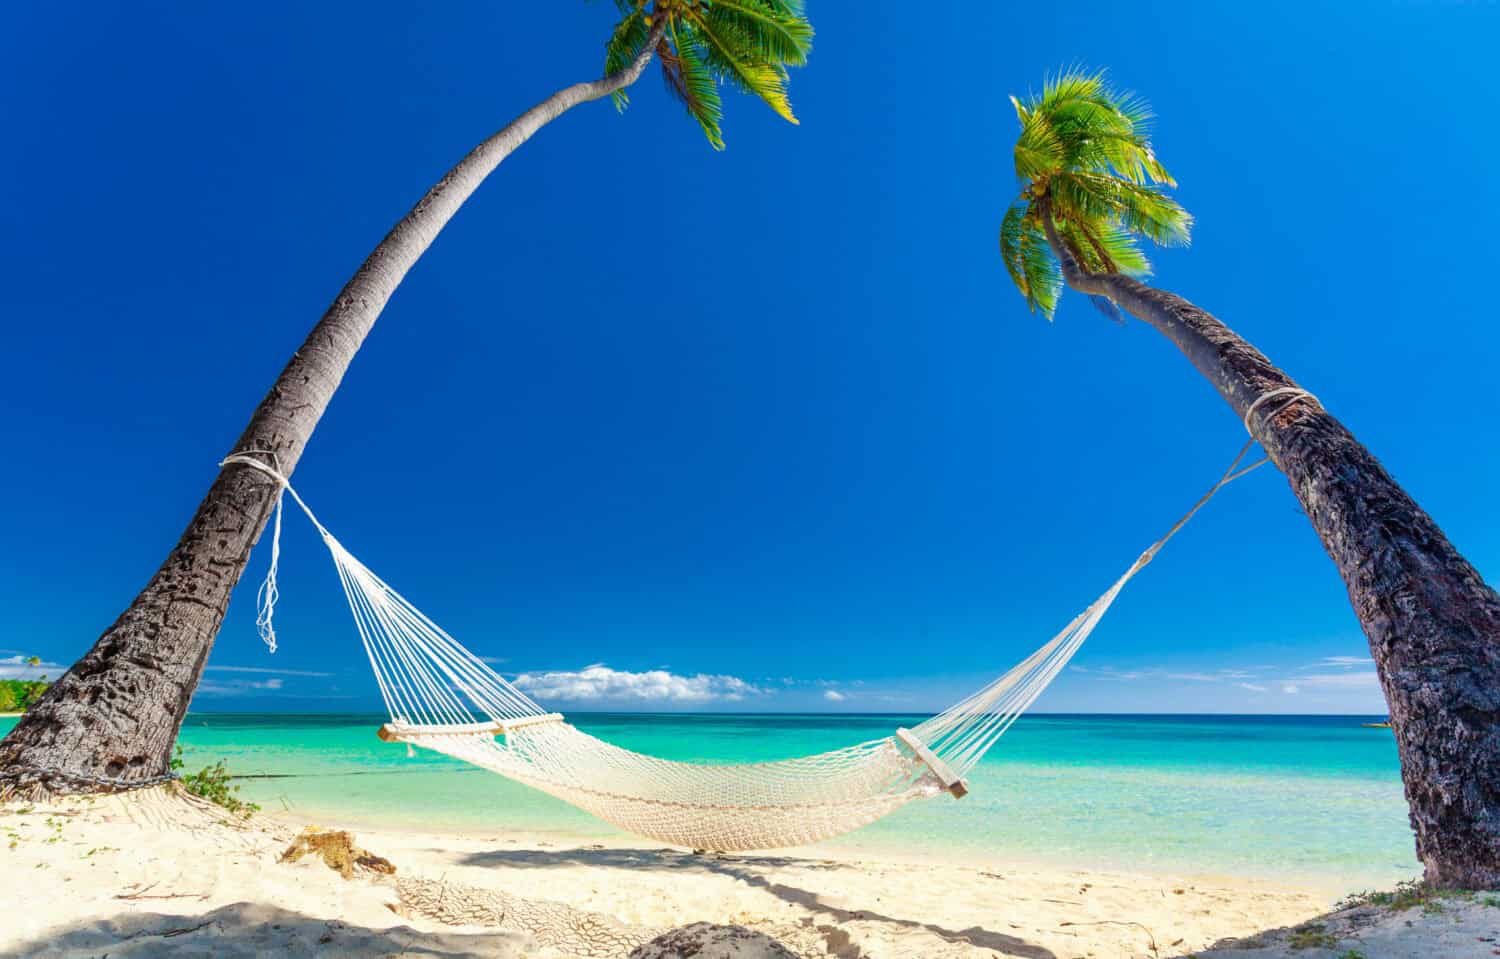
column 1433, row 624
column 111, row 720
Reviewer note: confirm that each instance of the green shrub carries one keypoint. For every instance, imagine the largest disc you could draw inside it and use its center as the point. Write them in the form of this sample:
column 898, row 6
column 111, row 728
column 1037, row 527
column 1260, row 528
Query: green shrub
column 17, row 695
column 1314, row 935
column 212, row 783
column 1408, row 895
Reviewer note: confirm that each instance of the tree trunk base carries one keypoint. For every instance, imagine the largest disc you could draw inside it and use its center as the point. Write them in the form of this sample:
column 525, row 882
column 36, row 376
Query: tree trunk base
column 1467, row 876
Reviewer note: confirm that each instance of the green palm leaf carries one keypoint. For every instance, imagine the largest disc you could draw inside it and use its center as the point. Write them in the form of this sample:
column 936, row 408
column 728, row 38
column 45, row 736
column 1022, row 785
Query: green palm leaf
column 748, row 44
column 691, row 82
column 1085, row 147
column 772, row 30
column 730, row 51
column 1038, row 149
column 1029, row 259
column 625, row 44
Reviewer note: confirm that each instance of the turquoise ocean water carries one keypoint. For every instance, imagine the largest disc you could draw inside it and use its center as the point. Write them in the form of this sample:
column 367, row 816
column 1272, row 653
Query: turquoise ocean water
column 1316, row 798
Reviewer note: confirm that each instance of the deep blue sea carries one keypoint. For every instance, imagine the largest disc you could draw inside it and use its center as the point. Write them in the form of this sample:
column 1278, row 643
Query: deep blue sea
column 1312, row 797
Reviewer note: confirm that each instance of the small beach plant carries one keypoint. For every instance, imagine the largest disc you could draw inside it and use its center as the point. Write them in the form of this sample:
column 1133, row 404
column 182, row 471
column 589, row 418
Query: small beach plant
column 1091, row 190
column 1409, row 894
column 118, row 710
column 1314, row 935
column 212, row 783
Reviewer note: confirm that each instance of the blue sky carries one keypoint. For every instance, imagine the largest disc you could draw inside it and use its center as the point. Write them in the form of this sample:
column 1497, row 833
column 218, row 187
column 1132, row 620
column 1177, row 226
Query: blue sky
column 760, row 429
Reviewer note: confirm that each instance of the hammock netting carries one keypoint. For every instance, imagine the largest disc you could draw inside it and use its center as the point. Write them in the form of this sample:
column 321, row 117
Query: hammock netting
column 444, row 698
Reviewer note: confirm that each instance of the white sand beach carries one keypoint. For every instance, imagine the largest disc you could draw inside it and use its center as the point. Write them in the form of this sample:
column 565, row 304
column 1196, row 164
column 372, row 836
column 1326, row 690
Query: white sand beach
column 157, row 874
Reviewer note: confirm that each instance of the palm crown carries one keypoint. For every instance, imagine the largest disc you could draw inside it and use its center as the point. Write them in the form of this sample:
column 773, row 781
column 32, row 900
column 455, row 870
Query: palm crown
column 1084, row 157
column 746, row 43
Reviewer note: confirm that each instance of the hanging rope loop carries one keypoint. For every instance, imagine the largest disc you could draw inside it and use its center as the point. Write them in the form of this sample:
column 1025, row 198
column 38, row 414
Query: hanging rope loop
column 268, row 594
column 443, row 697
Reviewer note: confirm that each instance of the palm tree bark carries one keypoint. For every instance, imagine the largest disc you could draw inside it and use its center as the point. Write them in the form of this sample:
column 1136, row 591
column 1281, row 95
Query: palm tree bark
column 110, row 721
column 1432, row 623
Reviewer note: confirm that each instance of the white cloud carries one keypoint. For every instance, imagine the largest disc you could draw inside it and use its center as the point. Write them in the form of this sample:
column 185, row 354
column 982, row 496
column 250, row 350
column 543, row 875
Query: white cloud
column 16, row 667
column 268, row 672
column 1109, row 672
column 1365, row 679
column 1341, row 674
column 238, row 687
column 493, row 660
column 820, row 683
column 1345, row 661
column 599, row 682
column 834, row 696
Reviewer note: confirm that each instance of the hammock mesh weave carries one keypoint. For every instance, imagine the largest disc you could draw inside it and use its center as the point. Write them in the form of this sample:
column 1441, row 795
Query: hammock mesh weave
column 442, row 697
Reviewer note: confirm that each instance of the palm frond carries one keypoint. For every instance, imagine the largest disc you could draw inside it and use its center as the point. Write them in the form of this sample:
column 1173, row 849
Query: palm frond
column 689, row 79
column 1029, row 260
column 1086, row 147
column 1107, row 306
column 1090, row 256
column 625, row 44
column 1119, row 248
column 1043, row 273
column 748, row 44
column 1069, row 85
column 1039, row 150
column 770, row 30
column 730, row 53
column 1023, row 112
column 1103, row 247
column 1011, row 227
column 1140, row 208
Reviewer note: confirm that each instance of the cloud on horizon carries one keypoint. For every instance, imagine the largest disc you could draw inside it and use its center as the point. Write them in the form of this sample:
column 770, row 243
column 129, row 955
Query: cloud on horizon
column 263, row 671
column 600, row 683
column 1355, row 674
column 238, row 687
column 1343, row 661
column 15, row 667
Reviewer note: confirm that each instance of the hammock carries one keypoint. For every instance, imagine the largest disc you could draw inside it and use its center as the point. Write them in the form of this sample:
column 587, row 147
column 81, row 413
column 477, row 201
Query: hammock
column 442, row 697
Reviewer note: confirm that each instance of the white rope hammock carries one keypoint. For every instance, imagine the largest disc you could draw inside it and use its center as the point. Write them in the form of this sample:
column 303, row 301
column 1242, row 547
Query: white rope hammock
column 442, row 697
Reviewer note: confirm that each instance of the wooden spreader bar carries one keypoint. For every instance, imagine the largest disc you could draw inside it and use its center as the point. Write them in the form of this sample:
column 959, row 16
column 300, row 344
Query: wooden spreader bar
column 404, row 732
column 950, row 780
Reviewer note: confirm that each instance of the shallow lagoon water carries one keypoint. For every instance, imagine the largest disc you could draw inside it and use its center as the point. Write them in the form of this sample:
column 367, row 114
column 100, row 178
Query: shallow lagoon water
column 1315, row 798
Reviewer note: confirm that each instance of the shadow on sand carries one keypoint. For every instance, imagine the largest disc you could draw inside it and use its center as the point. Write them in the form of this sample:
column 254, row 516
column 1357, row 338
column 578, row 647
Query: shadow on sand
column 246, row 929
column 747, row 870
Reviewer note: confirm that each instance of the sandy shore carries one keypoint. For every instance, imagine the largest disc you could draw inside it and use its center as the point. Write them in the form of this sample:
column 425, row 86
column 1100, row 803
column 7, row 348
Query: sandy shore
column 157, row 874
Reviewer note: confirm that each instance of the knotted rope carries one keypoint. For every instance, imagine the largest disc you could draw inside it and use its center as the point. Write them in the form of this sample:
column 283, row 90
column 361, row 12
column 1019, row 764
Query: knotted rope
column 268, row 594
column 444, row 698
column 1295, row 392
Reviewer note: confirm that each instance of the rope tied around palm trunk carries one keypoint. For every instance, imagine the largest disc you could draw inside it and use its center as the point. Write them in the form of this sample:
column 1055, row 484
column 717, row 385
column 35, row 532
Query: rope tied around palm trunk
column 444, row 698
column 1294, row 393
column 268, row 594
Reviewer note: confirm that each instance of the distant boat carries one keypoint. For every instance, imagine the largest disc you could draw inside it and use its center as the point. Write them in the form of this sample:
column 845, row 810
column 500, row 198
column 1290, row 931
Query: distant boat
column 1384, row 725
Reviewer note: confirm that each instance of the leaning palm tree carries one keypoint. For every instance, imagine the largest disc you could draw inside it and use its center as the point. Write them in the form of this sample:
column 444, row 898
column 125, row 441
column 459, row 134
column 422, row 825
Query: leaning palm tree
column 110, row 720
column 1090, row 189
